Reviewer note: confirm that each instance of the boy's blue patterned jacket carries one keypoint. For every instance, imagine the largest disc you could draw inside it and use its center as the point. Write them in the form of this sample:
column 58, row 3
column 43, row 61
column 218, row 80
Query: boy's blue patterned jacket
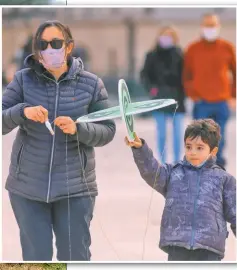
column 199, row 201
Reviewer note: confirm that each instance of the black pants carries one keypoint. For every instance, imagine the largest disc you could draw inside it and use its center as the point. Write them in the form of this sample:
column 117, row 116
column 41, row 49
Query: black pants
column 38, row 220
column 183, row 254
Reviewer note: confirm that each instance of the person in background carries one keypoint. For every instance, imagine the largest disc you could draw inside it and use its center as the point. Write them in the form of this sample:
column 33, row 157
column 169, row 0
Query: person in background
column 162, row 76
column 79, row 52
column 8, row 74
column 26, row 50
column 208, row 63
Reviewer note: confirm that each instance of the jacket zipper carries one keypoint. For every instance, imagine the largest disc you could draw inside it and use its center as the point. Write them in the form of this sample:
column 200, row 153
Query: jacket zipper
column 194, row 212
column 83, row 165
column 53, row 144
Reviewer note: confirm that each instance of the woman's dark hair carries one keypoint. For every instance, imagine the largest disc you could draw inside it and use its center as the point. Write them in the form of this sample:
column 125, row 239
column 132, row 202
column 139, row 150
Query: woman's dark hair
column 207, row 129
column 64, row 29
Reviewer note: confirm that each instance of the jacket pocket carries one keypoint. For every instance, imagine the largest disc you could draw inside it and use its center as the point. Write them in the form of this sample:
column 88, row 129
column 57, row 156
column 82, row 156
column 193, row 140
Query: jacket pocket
column 221, row 225
column 84, row 159
column 19, row 158
column 167, row 213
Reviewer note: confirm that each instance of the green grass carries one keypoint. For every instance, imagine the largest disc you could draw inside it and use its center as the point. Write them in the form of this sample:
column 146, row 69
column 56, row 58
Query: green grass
column 54, row 266
column 33, row 266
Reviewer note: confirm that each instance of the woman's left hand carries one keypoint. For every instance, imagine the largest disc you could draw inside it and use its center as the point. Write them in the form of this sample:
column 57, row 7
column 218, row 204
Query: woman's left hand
column 66, row 124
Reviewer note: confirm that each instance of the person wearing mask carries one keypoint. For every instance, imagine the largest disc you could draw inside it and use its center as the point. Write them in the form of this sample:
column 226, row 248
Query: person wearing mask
column 208, row 63
column 52, row 180
column 162, row 77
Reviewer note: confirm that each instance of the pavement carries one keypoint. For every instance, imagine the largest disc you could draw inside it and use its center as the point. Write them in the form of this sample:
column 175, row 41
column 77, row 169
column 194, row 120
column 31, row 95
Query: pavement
column 120, row 219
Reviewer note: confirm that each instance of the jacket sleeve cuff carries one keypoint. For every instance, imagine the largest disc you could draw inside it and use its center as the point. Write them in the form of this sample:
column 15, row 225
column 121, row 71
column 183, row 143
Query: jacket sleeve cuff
column 82, row 133
column 17, row 113
column 24, row 105
column 142, row 151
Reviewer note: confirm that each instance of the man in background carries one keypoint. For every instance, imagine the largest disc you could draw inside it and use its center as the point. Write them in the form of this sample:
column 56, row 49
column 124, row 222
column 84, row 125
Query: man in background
column 209, row 77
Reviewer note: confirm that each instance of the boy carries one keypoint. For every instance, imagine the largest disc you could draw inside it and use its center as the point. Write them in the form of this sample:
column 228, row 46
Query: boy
column 200, row 196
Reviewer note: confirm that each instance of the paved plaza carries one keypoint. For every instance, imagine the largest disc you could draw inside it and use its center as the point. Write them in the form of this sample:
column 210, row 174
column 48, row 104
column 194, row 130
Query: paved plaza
column 119, row 222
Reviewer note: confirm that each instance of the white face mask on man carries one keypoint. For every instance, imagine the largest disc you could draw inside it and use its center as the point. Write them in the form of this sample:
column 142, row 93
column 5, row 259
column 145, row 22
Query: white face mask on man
column 210, row 33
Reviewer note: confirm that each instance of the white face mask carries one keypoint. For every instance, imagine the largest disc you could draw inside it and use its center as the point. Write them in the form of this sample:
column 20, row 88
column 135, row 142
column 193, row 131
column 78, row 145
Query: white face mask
column 210, row 33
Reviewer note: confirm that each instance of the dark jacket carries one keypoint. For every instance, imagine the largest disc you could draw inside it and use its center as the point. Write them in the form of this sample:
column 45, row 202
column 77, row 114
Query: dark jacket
column 26, row 50
column 198, row 201
column 163, row 70
column 43, row 167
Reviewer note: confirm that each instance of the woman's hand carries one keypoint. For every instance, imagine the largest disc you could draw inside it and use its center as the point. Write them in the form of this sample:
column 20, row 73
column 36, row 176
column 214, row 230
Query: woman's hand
column 37, row 113
column 232, row 104
column 66, row 124
column 137, row 143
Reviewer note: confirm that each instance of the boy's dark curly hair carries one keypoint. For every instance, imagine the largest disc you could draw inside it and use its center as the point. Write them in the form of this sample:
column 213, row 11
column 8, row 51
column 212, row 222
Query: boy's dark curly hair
column 207, row 129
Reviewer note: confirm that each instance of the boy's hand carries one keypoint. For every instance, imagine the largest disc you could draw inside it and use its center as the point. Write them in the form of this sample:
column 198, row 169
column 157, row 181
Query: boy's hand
column 137, row 143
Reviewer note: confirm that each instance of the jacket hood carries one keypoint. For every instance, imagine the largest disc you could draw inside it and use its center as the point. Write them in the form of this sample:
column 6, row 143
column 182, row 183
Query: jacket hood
column 210, row 162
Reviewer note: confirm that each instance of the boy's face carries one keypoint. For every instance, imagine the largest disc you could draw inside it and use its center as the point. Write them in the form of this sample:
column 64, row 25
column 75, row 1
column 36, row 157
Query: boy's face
column 197, row 151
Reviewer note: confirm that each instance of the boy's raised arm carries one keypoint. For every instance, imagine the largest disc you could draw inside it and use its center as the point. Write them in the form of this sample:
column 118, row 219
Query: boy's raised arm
column 155, row 174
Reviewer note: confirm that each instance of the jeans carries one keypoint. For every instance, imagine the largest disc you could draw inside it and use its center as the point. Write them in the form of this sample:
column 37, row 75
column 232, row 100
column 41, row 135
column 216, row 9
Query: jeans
column 161, row 119
column 70, row 223
column 220, row 113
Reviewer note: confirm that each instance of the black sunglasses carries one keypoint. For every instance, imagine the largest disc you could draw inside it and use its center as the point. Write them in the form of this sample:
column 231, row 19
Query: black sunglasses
column 54, row 43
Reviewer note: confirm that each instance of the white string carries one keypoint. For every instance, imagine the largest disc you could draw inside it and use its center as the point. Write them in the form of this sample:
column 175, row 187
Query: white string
column 152, row 192
column 97, row 219
column 69, row 209
column 85, row 181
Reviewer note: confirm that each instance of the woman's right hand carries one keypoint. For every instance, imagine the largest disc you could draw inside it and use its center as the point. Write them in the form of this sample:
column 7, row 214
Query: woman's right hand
column 137, row 143
column 37, row 113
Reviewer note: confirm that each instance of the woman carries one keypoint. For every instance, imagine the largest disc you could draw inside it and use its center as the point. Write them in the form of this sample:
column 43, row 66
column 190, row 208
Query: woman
column 162, row 76
column 47, row 170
